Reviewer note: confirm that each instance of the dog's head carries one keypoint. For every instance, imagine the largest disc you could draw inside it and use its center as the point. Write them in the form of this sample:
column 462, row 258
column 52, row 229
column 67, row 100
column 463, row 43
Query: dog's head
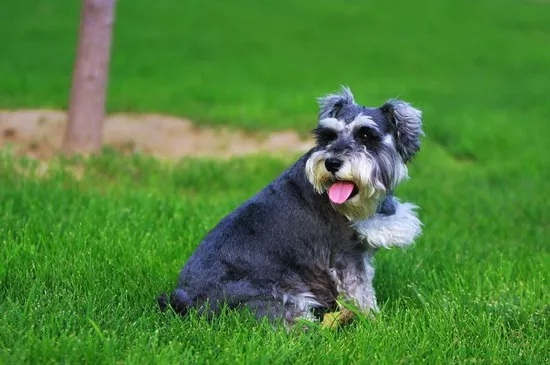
column 361, row 152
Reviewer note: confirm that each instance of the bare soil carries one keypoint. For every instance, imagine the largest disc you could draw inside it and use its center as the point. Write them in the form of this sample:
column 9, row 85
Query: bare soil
column 38, row 133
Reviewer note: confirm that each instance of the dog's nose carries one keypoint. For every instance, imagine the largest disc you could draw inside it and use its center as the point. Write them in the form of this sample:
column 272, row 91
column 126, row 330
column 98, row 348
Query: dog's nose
column 333, row 164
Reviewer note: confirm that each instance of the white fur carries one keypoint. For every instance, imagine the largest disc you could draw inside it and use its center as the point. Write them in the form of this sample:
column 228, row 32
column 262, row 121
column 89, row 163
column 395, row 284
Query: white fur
column 356, row 168
column 333, row 123
column 340, row 125
column 400, row 172
column 400, row 229
column 362, row 121
column 303, row 304
column 316, row 172
column 358, row 285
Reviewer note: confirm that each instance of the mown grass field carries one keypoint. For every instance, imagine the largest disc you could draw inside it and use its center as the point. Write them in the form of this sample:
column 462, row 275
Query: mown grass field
column 82, row 262
column 82, row 259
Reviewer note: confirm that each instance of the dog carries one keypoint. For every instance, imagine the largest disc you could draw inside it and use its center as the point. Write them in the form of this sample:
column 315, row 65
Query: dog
column 308, row 238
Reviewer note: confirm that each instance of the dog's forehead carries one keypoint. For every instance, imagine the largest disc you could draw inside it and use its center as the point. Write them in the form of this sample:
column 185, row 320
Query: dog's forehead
column 373, row 113
column 356, row 114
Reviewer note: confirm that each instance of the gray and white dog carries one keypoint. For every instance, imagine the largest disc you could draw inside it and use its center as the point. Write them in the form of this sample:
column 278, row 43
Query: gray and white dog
column 309, row 237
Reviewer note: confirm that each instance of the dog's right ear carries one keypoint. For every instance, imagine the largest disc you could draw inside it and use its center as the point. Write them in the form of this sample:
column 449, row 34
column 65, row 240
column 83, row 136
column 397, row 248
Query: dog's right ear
column 330, row 105
column 407, row 124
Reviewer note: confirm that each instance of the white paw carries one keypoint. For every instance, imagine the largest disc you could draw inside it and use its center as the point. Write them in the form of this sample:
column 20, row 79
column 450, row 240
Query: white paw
column 399, row 229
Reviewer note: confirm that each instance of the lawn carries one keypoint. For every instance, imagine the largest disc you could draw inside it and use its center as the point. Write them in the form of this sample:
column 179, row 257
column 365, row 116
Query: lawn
column 86, row 247
column 83, row 259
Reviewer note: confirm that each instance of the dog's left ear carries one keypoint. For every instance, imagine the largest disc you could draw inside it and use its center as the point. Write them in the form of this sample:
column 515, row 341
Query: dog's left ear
column 331, row 105
column 407, row 124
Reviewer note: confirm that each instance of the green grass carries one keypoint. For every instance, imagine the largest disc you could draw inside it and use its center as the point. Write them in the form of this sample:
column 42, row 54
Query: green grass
column 81, row 260
column 260, row 64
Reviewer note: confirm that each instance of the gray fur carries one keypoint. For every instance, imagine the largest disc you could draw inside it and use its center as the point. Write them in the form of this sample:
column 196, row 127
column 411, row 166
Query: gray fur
column 337, row 105
column 355, row 281
column 408, row 124
column 289, row 251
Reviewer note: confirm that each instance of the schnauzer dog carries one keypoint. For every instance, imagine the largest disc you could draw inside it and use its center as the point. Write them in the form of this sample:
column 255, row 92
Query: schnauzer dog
column 308, row 238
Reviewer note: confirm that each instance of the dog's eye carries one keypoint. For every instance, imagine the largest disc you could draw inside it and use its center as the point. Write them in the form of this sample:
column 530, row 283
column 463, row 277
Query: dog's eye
column 366, row 134
column 325, row 135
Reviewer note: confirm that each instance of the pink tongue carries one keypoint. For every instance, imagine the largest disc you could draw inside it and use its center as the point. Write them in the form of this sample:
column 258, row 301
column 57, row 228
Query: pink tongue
column 339, row 192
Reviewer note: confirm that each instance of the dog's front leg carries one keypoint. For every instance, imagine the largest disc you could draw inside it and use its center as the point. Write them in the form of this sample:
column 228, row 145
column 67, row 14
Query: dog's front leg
column 354, row 275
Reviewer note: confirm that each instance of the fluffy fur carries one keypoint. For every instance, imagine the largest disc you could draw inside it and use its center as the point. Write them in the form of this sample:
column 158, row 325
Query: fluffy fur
column 399, row 229
column 289, row 251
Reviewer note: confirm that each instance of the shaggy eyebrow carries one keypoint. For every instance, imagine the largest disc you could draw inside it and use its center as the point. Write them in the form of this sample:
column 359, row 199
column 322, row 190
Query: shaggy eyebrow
column 333, row 124
column 364, row 121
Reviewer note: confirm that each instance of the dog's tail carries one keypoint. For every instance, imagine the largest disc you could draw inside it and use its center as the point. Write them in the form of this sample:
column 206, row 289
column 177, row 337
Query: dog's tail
column 179, row 301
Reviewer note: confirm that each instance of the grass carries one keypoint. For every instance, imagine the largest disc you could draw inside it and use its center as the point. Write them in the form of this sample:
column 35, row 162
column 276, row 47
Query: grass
column 260, row 64
column 81, row 260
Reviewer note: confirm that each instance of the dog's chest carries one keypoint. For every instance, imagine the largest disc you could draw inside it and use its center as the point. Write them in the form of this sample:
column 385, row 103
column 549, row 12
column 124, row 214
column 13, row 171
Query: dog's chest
column 341, row 242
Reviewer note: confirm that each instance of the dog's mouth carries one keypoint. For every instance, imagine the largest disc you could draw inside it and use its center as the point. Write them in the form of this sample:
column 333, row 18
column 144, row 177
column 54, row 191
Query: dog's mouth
column 342, row 191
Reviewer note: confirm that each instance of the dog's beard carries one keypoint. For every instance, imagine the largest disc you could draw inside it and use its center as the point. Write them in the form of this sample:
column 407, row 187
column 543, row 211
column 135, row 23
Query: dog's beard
column 364, row 172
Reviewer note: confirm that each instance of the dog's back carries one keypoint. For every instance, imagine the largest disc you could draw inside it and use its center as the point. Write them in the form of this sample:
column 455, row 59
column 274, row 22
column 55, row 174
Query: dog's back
column 275, row 247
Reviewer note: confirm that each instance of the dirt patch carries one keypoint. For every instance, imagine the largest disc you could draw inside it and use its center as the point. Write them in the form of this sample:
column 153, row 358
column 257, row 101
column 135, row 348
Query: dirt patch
column 39, row 133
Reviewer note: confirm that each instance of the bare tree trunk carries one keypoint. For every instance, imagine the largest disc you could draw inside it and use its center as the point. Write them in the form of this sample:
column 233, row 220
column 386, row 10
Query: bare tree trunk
column 87, row 103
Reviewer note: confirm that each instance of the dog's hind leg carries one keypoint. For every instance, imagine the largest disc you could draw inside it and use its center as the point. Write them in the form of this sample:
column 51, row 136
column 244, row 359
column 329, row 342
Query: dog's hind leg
column 179, row 301
column 270, row 309
column 277, row 312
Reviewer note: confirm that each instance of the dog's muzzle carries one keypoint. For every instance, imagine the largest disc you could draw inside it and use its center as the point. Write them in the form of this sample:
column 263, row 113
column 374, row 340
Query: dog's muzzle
column 340, row 191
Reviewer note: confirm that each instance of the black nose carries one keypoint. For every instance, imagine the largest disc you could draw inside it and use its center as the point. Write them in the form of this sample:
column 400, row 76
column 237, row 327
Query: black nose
column 333, row 164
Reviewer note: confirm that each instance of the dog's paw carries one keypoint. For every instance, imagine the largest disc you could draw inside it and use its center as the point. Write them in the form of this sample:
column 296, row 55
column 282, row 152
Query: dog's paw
column 399, row 229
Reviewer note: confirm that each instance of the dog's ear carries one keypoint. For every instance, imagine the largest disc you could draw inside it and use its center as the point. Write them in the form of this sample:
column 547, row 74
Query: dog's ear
column 407, row 124
column 331, row 104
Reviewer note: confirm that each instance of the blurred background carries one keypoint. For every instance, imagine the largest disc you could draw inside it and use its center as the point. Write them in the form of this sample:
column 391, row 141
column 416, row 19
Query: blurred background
column 476, row 68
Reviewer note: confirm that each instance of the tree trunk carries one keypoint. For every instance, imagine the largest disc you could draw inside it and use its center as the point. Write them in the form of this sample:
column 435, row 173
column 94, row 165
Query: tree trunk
column 87, row 103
